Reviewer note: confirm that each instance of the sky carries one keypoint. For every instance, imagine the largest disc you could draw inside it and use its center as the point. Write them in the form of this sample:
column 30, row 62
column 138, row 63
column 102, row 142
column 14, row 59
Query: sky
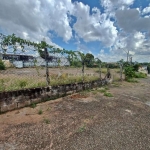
column 108, row 29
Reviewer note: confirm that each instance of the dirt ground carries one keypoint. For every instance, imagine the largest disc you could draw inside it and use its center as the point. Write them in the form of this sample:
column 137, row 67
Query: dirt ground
column 84, row 121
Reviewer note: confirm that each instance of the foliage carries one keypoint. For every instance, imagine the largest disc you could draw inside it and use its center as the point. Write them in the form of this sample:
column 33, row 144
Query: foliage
column 140, row 75
column 113, row 65
column 17, row 42
column 2, row 66
column 136, row 67
column 89, row 60
column 129, row 72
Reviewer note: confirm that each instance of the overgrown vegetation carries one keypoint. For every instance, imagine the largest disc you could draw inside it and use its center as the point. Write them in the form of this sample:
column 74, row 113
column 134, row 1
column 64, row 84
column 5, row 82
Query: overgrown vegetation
column 11, row 82
column 2, row 66
column 130, row 73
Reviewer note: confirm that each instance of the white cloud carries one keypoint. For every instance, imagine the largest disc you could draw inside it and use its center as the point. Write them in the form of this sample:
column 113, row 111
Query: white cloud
column 94, row 27
column 111, row 5
column 36, row 18
column 146, row 10
column 138, row 45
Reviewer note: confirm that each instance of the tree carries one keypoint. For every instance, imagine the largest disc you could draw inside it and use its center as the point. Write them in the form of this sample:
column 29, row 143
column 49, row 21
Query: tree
column 89, row 60
column 2, row 66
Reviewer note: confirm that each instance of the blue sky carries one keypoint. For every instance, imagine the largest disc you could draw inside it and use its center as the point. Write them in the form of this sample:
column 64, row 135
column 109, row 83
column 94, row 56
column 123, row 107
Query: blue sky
column 105, row 28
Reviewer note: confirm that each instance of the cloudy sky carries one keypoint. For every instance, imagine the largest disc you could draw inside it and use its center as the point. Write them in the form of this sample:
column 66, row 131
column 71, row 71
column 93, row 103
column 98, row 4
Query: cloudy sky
column 105, row 28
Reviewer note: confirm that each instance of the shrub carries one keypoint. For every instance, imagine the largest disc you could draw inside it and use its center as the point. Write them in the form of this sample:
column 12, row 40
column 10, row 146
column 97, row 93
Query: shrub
column 129, row 72
column 140, row 75
column 136, row 67
column 2, row 66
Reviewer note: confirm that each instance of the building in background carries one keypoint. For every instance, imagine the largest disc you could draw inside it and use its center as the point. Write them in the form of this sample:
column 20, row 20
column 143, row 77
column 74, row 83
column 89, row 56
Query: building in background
column 21, row 61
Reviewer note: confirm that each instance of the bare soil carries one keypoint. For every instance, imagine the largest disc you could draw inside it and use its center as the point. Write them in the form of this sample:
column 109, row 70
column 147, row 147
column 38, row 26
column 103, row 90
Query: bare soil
column 84, row 121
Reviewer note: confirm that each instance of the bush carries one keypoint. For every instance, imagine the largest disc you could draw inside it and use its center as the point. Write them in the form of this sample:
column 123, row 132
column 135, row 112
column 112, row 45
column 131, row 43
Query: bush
column 136, row 67
column 129, row 72
column 2, row 66
column 140, row 75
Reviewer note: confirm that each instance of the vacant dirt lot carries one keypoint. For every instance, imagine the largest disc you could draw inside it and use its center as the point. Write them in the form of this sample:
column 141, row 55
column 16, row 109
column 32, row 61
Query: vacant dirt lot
column 84, row 121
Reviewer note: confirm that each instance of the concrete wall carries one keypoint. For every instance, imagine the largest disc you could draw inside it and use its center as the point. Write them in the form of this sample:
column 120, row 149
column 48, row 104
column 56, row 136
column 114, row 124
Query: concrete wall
column 21, row 98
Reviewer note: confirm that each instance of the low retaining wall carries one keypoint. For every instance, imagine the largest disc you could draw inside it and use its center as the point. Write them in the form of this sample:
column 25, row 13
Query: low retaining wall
column 25, row 97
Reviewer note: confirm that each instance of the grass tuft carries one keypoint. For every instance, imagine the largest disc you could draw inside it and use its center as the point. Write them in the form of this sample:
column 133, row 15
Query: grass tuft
column 108, row 94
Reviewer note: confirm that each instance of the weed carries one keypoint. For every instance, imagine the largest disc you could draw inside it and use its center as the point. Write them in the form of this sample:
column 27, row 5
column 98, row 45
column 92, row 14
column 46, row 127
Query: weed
column 115, row 84
column 22, row 83
column 33, row 105
column 108, row 94
column 102, row 90
column 47, row 121
column 82, row 128
column 40, row 112
column 106, row 88
column 140, row 75
column 131, row 80
column 2, row 85
column 94, row 92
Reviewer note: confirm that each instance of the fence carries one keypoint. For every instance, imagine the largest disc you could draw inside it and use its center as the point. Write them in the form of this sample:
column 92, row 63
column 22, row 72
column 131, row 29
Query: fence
column 25, row 71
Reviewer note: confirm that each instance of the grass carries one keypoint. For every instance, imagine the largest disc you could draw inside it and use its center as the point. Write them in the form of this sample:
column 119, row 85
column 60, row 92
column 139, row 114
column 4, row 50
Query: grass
column 82, row 128
column 140, row 75
column 47, row 121
column 102, row 90
column 108, row 94
column 106, row 88
column 12, row 82
column 40, row 112
column 103, row 70
column 115, row 84
column 33, row 105
column 132, row 80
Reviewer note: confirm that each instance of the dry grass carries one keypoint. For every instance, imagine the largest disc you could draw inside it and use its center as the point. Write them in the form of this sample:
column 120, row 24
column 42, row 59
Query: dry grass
column 15, row 79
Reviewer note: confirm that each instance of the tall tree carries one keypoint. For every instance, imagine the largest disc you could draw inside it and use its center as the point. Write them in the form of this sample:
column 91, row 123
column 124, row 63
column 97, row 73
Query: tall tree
column 89, row 60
